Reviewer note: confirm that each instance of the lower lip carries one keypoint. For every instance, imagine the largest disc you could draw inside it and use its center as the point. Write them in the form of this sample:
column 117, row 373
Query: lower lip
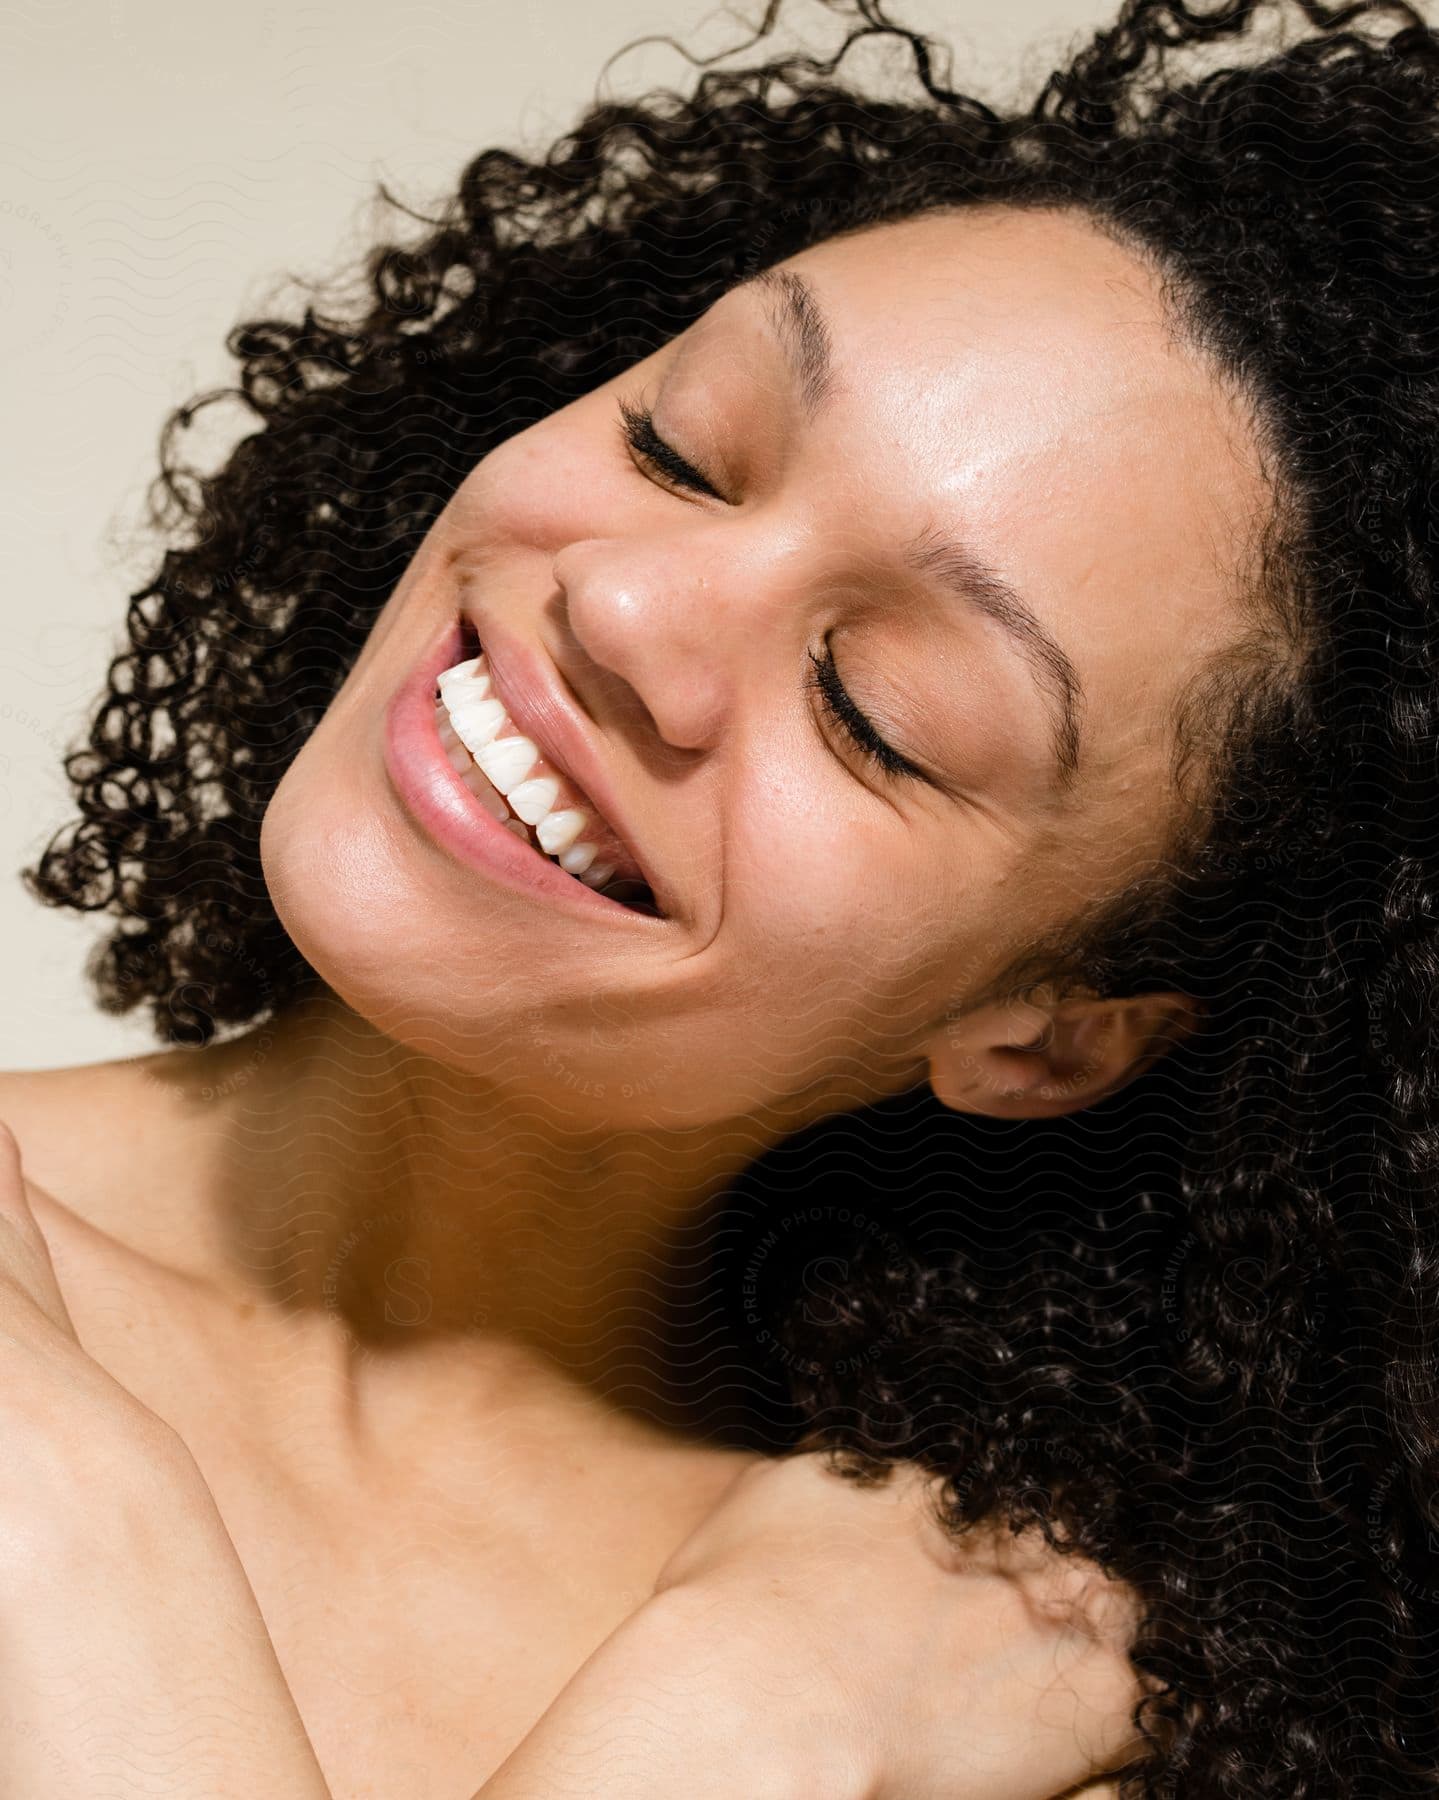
column 439, row 801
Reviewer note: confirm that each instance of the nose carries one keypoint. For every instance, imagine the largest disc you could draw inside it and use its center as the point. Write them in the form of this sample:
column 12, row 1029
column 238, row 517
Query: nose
column 653, row 624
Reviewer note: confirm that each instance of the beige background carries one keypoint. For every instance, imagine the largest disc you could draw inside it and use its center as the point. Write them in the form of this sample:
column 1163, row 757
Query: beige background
column 161, row 167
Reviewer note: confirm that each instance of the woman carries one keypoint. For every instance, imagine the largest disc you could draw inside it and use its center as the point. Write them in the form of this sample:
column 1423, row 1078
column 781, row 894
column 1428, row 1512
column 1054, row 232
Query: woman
column 793, row 603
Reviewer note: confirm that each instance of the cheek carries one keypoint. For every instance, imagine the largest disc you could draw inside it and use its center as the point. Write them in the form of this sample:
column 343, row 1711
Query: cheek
column 551, row 485
column 858, row 923
column 838, row 899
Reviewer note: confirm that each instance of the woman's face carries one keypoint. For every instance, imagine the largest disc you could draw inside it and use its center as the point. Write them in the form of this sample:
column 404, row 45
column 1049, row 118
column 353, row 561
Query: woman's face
column 991, row 394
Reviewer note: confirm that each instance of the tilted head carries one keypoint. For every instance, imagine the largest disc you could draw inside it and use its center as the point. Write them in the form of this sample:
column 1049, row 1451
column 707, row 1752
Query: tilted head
column 957, row 472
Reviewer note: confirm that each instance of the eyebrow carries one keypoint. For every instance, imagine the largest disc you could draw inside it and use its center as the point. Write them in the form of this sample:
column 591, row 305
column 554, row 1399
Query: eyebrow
column 802, row 331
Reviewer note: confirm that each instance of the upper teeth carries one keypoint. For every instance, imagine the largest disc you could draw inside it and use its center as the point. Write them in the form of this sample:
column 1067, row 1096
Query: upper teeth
column 507, row 763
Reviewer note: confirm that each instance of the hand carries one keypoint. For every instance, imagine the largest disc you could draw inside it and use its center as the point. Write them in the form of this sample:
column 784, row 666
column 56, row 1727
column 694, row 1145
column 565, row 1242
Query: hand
column 137, row 1663
column 990, row 1666
column 64, row 1419
column 817, row 1640
column 27, row 1273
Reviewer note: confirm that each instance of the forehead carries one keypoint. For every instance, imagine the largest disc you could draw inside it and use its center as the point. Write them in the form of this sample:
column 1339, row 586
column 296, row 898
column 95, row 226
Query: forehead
column 1005, row 271
column 1000, row 334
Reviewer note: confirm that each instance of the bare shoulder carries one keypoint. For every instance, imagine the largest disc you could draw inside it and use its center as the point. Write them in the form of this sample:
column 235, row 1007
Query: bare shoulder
column 37, row 1104
column 73, row 1126
column 36, row 1091
column 94, row 1156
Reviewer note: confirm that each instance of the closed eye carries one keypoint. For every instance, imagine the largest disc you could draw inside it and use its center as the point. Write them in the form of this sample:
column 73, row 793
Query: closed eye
column 835, row 698
column 637, row 429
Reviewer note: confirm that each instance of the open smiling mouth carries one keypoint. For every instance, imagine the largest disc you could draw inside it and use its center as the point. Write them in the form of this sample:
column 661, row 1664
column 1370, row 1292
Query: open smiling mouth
column 506, row 773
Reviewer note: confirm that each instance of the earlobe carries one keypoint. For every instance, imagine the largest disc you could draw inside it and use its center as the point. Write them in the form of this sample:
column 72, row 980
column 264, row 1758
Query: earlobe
column 1053, row 1057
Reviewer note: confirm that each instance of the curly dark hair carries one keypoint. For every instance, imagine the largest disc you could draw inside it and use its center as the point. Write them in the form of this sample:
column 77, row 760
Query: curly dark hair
column 1189, row 1333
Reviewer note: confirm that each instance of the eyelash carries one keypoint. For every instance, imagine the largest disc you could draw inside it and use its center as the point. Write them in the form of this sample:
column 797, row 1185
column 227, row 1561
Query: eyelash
column 637, row 429
column 835, row 698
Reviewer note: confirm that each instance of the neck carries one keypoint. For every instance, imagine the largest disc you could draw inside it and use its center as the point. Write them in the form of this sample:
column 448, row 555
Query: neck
column 342, row 1173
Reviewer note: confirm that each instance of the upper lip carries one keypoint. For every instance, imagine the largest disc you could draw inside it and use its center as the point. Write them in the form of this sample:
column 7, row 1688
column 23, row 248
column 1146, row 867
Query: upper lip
column 537, row 701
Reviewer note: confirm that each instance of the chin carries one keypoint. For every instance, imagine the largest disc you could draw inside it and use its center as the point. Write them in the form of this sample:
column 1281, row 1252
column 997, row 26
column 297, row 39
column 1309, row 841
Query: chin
column 445, row 978
column 431, row 964
column 352, row 909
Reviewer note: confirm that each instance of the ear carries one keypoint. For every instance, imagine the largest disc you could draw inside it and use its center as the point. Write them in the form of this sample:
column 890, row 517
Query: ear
column 1042, row 1056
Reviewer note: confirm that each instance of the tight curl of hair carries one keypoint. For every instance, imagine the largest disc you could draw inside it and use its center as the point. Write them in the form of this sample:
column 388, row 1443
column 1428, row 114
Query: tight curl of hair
column 1189, row 1333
